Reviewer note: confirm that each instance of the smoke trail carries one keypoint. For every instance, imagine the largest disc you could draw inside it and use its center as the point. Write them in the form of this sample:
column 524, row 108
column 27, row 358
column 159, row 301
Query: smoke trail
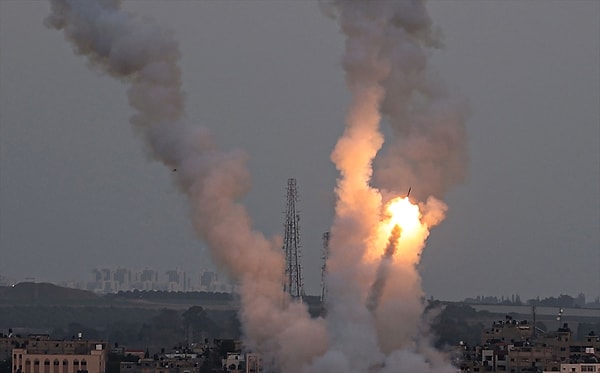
column 378, row 328
column 429, row 146
column 354, row 345
column 138, row 52
column 383, row 270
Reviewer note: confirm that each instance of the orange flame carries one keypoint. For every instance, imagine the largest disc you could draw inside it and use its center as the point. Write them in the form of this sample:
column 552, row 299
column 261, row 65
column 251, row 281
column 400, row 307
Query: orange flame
column 403, row 213
column 400, row 212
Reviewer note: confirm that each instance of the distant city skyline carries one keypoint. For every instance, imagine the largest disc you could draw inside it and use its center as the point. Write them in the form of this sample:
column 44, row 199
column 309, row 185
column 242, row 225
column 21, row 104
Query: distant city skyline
column 219, row 282
column 115, row 279
column 78, row 191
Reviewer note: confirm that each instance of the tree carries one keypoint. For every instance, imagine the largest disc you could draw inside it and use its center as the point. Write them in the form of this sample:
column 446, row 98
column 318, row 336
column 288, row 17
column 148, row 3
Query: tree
column 164, row 329
column 196, row 322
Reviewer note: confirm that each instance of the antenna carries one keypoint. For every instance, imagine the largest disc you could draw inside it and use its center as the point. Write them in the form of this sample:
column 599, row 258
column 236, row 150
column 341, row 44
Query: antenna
column 291, row 244
column 324, row 266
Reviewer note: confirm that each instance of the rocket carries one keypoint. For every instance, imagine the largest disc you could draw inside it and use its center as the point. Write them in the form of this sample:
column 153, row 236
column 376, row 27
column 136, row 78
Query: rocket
column 408, row 194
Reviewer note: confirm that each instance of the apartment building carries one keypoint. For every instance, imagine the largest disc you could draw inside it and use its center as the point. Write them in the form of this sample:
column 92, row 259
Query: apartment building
column 40, row 354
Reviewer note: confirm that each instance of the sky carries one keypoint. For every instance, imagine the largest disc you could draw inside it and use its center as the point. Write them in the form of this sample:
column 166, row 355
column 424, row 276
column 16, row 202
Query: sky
column 78, row 189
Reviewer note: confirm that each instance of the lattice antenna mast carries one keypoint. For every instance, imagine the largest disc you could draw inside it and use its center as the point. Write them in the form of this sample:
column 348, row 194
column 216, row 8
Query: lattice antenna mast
column 291, row 244
column 324, row 266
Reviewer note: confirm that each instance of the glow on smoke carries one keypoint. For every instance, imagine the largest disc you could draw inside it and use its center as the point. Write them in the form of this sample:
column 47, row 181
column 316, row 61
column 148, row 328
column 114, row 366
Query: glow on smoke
column 401, row 212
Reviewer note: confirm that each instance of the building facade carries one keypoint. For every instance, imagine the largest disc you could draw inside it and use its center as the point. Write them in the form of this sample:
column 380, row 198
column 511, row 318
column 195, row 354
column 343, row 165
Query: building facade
column 43, row 355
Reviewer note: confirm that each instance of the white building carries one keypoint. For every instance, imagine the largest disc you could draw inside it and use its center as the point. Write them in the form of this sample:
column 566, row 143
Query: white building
column 580, row 368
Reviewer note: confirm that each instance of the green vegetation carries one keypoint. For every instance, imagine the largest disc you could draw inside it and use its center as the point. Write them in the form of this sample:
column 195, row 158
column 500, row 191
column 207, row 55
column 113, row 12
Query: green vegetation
column 56, row 317
column 456, row 322
column 133, row 327
column 158, row 319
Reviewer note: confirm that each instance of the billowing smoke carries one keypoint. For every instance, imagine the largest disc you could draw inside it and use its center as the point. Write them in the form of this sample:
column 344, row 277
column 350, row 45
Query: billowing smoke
column 375, row 307
column 138, row 52
column 429, row 146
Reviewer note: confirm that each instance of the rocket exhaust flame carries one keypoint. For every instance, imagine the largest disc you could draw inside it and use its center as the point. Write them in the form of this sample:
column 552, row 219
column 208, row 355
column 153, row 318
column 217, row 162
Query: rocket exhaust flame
column 404, row 214
column 374, row 290
column 376, row 326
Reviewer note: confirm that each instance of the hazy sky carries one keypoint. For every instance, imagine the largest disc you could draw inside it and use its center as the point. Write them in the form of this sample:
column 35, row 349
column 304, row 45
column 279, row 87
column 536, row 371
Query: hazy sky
column 78, row 191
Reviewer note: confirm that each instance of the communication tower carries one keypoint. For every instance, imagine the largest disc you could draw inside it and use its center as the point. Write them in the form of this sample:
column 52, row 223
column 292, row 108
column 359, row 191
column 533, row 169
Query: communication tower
column 324, row 266
column 291, row 244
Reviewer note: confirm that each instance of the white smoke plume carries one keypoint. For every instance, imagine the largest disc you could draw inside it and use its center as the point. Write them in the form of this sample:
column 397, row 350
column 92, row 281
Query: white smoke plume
column 387, row 73
column 141, row 54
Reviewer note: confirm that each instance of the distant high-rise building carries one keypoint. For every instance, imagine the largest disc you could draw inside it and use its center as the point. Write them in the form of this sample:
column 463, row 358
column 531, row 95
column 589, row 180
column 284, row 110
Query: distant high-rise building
column 177, row 280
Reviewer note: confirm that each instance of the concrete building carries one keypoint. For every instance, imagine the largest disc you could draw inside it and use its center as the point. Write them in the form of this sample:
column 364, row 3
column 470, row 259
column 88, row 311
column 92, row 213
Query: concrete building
column 178, row 280
column 254, row 363
column 531, row 359
column 580, row 368
column 511, row 346
column 508, row 330
column 40, row 354
column 105, row 280
column 109, row 280
column 162, row 366
column 234, row 363
column 8, row 342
